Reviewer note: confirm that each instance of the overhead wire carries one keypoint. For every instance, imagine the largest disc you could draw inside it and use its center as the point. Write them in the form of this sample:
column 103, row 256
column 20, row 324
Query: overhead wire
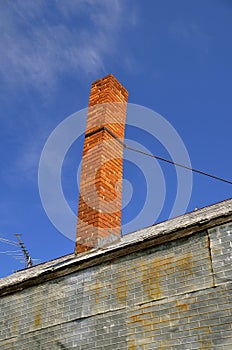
column 105, row 128
column 177, row 164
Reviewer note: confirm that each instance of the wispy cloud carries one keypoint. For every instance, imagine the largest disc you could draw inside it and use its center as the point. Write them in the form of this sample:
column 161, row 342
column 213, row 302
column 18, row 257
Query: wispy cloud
column 40, row 40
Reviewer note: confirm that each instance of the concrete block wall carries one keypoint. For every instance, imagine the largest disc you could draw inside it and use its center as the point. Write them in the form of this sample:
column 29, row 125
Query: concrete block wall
column 173, row 296
column 221, row 248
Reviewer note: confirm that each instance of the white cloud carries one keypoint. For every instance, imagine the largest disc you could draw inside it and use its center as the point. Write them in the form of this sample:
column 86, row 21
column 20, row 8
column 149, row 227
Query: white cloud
column 39, row 43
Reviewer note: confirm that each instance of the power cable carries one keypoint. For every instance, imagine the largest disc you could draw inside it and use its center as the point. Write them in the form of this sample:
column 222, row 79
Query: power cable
column 177, row 164
column 158, row 157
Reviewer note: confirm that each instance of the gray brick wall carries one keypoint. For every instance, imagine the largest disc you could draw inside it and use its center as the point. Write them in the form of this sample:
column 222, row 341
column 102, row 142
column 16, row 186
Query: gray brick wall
column 173, row 296
column 221, row 248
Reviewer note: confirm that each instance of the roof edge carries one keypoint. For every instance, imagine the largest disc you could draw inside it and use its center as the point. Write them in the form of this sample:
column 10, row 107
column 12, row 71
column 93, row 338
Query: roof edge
column 176, row 228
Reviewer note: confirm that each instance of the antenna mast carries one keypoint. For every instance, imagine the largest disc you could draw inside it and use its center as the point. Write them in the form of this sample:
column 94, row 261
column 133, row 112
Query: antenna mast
column 28, row 260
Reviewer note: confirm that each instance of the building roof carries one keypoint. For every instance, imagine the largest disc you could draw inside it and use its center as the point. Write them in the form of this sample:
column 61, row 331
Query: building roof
column 179, row 227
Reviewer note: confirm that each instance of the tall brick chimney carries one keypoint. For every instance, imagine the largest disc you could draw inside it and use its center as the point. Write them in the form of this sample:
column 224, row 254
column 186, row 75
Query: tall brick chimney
column 99, row 209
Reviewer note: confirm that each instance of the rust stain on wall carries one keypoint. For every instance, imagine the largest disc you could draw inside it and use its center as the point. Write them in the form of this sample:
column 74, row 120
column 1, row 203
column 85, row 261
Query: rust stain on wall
column 151, row 279
column 203, row 333
column 15, row 326
column 154, row 271
column 131, row 345
column 122, row 288
column 134, row 318
column 38, row 318
column 94, row 289
column 182, row 306
column 185, row 264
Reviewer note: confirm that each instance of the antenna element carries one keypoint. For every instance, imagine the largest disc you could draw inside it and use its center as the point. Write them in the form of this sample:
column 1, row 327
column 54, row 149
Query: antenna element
column 28, row 260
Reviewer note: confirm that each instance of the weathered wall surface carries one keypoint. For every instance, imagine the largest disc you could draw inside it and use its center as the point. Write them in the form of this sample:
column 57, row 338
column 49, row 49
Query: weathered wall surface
column 173, row 296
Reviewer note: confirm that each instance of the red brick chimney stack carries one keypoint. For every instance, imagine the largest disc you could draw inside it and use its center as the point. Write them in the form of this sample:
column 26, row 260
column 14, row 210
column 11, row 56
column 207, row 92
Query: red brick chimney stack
column 99, row 209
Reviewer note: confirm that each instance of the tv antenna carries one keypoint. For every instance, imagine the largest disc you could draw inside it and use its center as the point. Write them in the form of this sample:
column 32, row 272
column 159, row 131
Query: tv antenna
column 28, row 260
column 19, row 253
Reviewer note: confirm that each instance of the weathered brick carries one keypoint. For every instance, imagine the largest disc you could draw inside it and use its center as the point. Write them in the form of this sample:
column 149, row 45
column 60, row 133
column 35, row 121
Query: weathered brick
column 99, row 209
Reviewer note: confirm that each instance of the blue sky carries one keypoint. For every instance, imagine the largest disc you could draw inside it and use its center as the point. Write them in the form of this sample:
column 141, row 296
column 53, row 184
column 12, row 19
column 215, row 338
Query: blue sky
column 174, row 57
